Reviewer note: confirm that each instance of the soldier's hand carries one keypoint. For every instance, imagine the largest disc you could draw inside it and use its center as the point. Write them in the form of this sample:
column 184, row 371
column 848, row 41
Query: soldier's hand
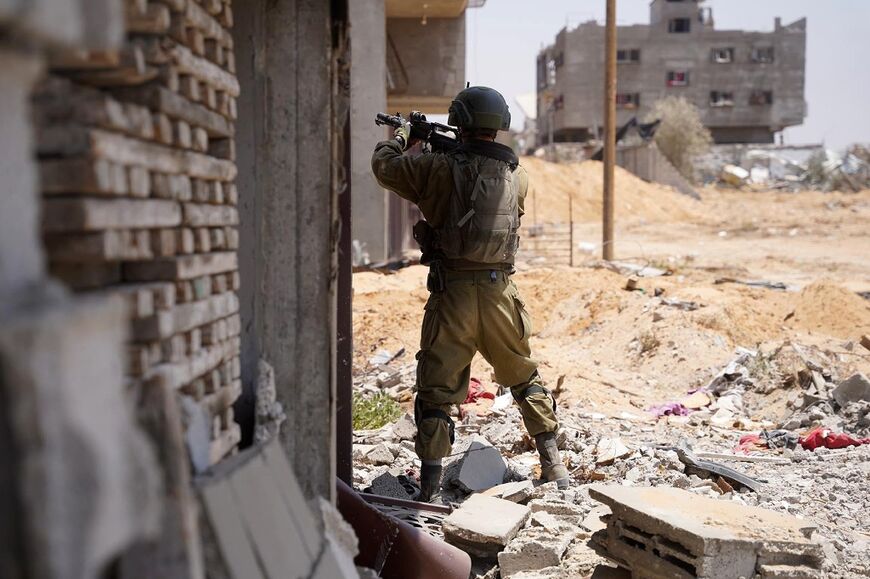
column 403, row 135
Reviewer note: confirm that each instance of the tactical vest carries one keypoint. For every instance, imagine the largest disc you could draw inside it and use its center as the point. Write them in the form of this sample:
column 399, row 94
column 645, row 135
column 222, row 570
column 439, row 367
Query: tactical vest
column 483, row 215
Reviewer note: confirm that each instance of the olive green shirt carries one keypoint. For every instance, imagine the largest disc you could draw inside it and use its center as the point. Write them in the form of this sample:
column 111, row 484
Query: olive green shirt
column 426, row 180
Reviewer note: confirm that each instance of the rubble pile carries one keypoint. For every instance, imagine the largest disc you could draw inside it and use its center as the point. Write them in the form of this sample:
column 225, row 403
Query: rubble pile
column 788, row 168
column 695, row 453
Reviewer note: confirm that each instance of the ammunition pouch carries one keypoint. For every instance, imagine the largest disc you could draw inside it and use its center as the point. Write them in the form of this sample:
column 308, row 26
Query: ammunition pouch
column 424, row 235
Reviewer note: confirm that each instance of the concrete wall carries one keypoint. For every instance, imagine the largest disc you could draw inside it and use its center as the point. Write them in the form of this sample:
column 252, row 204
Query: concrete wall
column 368, row 96
column 579, row 60
column 433, row 58
column 288, row 218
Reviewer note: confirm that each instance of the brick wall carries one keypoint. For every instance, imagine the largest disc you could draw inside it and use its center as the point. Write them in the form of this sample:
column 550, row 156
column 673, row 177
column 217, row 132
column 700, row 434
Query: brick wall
column 137, row 163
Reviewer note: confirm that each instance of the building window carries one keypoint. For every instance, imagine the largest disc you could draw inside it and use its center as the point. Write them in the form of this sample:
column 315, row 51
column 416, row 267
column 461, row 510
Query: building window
column 721, row 99
column 678, row 78
column 624, row 55
column 627, row 100
column 560, row 59
column 761, row 97
column 559, row 102
column 762, row 54
column 679, row 25
column 723, row 55
column 542, row 72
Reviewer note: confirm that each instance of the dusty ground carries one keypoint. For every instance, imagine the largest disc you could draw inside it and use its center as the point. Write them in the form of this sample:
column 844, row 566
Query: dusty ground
column 612, row 353
column 589, row 330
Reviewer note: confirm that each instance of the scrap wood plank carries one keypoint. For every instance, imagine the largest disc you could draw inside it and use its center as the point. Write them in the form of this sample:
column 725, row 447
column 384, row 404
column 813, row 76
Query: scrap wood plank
column 62, row 215
column 73, row 141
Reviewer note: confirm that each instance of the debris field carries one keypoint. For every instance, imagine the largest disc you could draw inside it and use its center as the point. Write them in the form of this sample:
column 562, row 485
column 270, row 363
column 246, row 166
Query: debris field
column 687, row 378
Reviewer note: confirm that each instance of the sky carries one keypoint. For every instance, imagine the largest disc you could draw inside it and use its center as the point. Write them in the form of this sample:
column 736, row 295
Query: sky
column 504, row 37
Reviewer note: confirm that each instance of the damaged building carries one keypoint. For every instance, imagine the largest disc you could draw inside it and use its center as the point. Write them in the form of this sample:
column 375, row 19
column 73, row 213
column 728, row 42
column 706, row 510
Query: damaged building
column 174, row 283
column 748, row 86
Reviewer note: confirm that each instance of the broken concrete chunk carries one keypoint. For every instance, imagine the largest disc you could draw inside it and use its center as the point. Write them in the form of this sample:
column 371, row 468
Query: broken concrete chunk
column 593, row 522
column 554, row 507
column 554, row 523
column 667, row 532
column 480, row 467
column 533, row 549
column 405, row 428
column 483, row 525
column 853, row 389
column 515, row 492
column 379, row 455
column 544, row 490
column 610, row 449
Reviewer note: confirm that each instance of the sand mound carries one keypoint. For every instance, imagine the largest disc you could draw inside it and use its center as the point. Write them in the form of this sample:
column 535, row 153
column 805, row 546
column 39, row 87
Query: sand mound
column 831, row 309
column 551, row 183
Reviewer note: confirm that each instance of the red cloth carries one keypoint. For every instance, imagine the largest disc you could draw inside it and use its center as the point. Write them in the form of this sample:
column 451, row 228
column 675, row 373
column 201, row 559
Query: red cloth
column 476, row 392
column 822, row 437
column 750, row 442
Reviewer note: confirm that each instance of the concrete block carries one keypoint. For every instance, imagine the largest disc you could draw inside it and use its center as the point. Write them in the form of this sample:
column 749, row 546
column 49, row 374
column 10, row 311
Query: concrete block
column 533, row 549
column 515, row 492
column 405, row 428
column 853, row 389
column 668, row 532
column 480, row 467
column 553, row 507
column 483, row 526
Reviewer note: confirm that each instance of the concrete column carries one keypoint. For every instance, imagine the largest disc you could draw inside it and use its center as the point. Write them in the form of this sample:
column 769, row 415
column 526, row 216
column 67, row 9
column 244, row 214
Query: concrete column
column 287, row 233
column 368, row 78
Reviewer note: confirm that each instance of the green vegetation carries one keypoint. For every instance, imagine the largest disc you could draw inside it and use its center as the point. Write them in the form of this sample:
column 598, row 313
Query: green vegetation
column 375, row 411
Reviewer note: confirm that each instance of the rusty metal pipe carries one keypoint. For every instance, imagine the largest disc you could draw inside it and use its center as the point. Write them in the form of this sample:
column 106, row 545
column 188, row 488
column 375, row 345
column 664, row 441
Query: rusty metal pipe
column 395, row 549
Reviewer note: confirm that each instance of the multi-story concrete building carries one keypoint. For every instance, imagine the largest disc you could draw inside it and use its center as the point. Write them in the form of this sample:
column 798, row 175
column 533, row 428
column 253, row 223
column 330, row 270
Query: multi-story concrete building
column 747, row 85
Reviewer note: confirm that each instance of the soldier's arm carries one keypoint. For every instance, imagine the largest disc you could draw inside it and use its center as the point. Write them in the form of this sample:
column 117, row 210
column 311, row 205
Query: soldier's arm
column 523, row 178
column 405, row 175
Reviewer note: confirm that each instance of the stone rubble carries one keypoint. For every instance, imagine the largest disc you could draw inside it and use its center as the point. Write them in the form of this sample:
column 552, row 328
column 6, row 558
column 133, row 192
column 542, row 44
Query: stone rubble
column 825, row 487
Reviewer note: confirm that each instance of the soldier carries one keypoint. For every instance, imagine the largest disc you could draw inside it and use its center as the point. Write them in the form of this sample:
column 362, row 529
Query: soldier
column 472, row 199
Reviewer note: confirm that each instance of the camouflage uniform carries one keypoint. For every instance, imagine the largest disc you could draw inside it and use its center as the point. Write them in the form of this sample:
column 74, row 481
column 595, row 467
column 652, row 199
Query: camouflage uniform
column 480, row 309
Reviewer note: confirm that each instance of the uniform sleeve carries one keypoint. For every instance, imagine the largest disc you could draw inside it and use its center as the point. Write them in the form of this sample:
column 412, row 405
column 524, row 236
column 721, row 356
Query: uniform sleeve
column 405, row 175
column 523, row 179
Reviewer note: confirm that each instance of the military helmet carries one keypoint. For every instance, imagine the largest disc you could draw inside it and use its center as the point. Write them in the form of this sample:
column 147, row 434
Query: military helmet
column 480, row 107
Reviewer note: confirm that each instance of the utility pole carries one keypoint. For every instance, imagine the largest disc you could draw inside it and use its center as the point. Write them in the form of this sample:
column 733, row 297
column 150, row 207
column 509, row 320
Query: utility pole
column 609, row 129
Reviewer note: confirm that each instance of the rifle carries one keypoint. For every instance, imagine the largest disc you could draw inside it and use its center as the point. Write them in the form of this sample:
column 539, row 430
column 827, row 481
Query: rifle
column 422, row 130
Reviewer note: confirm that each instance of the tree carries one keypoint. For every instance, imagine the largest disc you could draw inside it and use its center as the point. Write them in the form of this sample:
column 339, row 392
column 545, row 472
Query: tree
column 682, row 136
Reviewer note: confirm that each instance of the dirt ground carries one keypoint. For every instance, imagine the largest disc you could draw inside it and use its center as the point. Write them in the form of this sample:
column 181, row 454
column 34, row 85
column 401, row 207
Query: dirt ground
column 611, row 349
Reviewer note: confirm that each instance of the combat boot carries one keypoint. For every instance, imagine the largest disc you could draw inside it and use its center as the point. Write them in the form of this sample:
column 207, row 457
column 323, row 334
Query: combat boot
column 552, row 468
column 430, row 481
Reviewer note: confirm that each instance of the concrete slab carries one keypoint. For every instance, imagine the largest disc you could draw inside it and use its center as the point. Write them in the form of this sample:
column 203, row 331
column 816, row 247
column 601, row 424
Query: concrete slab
column 668, row 532
column 515, row 492
column 483, row 525
column 386, row 485
column 482, row 467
